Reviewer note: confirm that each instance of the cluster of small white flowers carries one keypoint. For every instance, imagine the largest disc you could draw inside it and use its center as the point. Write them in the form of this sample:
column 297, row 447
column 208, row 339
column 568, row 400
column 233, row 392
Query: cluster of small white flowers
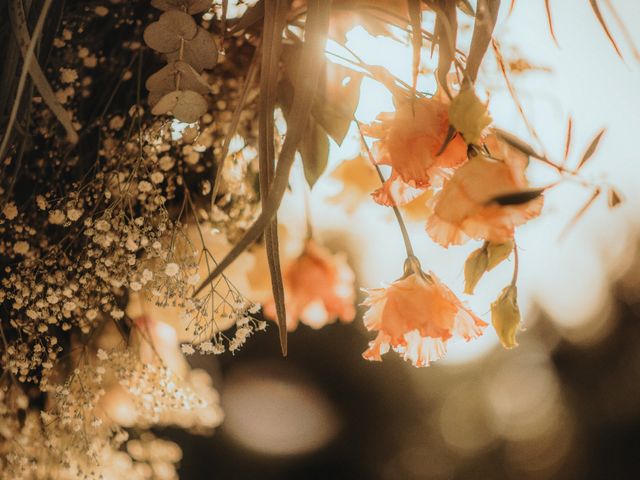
column 154, row 389
column 212, row 316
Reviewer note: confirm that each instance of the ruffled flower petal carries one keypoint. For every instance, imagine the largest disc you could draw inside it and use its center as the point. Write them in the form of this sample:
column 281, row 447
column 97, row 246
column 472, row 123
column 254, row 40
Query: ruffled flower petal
column 463, row 208
column 416, row 316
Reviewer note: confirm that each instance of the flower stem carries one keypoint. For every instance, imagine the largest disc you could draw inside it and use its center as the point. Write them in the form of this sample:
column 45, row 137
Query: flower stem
column 516, row 264
column 396, row 210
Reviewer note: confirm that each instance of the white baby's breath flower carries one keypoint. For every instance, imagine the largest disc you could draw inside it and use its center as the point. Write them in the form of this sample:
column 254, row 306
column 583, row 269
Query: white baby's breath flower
column 144, row 186
column 10, row 211
column 117, row 313
column 171, row 270
column 68, row 75
column 157, row 177
column 102, row 355
column 187, row 349
column 21, row 247
column 41, row 202
column 135, row 286
column 56, row 217
column 74, row 214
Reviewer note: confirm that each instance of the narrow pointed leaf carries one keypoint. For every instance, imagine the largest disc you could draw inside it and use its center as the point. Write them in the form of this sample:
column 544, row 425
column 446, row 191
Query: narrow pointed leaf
column 567, row 144
column 547, row 7
column 517, row 198
column 19, row 25
column 596, row 10
column 269, row 74
column 517, row 143
column 591, row 149
column 304, row 95
column 486, row 17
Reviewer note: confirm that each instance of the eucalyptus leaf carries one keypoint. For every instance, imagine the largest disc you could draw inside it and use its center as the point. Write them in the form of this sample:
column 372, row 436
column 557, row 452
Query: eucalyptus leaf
column 193, row 7
column 172, row 27
column 201, row 52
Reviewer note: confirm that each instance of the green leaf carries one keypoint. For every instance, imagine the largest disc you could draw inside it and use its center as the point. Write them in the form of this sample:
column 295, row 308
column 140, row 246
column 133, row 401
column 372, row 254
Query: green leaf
column 591, row 149
column 314, row 150
column 474, row 268
column 505, row 316
column 497, row 253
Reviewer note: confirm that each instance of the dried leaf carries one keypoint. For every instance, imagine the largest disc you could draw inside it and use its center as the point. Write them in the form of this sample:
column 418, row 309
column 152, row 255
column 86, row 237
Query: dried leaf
column 185, row 105
column 193, row 6
column 271, row 48
column 469, row 115
column 567, row 144
column 252, row 16
column 517, row 143
column 166, row 34
column 517, row 198
column 596, row 10
column 497, row 253
column 446, row 30
column 591, row 149
column 614, row 198
column 466, row 7
column 337, row 100
column 306, row 84
column 474, row 268
column 581, row 212
column 415, row 15
column 201, row 52
column 314, row 149
column 550, row 21
column 505, row 316
column 19, row 24
column 486, row 17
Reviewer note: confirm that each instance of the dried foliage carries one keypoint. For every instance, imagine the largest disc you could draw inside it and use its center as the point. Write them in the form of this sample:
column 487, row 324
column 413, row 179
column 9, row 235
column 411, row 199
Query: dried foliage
column 122, row 211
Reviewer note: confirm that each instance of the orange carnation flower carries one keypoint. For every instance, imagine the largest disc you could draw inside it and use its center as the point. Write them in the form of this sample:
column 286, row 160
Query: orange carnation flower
column 410, row 140
column 319, row 289
column 416, row 316
column 464, row 208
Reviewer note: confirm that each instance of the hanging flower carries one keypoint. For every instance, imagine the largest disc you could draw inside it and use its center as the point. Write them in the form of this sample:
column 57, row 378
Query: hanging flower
column 466, row 207
column 319, row 289
column 358, row 178
column 411, row 141
column 416, row 316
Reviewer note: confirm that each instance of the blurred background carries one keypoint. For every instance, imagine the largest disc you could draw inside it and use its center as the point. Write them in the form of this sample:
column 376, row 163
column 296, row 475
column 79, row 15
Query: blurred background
column 566, row 402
